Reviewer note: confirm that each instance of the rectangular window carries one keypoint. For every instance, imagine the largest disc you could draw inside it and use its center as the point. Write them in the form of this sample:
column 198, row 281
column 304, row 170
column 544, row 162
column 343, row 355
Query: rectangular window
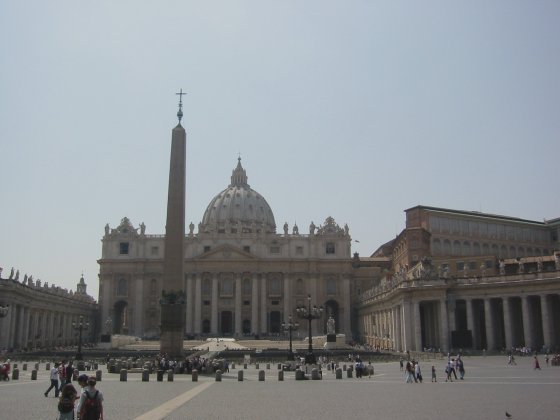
column 299, row 250
column 206, row 248
column 275, row 250
column 123, row 248
column 247, row 249
column 155, row 250
column 330, row 248
column 275, row 302
column 246, row 302
column 488, row 263
column 460, row 266
column 206, row 303
column 472, row 265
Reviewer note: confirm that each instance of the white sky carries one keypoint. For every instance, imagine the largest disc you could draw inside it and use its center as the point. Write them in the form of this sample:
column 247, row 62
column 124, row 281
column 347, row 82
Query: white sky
column 350, row 109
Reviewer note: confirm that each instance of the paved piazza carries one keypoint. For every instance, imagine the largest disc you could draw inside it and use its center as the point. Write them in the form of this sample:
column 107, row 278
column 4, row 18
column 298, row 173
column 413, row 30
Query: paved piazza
column 489, row 389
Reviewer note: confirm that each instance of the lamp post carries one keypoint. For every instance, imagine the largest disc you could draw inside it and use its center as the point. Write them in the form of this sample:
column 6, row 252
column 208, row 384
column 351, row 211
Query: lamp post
column 290, row 326
column 310, row 314
column 80, row 326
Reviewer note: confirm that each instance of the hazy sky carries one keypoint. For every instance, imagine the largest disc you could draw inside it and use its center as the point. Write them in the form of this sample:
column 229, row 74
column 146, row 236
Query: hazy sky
column 350, row 109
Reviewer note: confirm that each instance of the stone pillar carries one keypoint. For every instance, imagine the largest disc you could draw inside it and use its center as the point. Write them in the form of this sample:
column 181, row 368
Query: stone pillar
column 264, row 312
column 417, row 327
column 287, row 297
column 347, row 312
column 238, row 293
column 137, row 324
column 255, row 305
column 470, row 321
column 22, row 323
column 214, row 305
column 547, row 330
column 406, row 325
column 527, row 322
column 444, row 327
column 489, row 322
column 507, row 322
column 398, row 329
column 197, row 304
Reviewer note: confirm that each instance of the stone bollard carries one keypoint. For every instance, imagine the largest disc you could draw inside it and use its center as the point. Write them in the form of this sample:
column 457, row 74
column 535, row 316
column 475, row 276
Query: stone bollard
column 95, row 366
column 36, row 366
column 195, row 375
column 240, row 376
column 170, row 374
column 300, row 375
column 25, row 366
column 343, row 367
column 33, row 375
column 349, row 373
column 48, row 367
column 279, row 366
column 124, row 375
column 328, row 366
column 159, row 375
column 233, row 365
column 268, row 366
column 261, row 375
column 256, row 365
column 15, row 374
column 245, row 366
column 218, row 375
column 339, row 373
column 145, row 375
column 98, row 375
column 15, row 366
column 315, row 374
column 280, row 375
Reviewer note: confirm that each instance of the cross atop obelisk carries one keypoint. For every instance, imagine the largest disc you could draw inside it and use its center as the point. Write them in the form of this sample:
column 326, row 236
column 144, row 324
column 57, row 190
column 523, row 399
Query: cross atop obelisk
column 180, row 112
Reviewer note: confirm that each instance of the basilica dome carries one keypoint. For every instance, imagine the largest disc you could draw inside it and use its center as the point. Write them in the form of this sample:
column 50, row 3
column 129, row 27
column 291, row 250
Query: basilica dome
column 238, row 209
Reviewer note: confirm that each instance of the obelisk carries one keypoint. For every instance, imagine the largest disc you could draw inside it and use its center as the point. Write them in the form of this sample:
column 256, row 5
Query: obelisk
column 173, row 293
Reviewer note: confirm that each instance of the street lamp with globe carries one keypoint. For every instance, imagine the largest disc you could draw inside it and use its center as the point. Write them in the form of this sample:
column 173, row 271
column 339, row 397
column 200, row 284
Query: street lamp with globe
column 290, row 326
column 310, row 313
column 80, row 326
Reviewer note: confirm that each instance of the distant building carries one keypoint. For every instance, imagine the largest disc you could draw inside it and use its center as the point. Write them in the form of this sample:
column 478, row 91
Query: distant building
column 242, row 277
column 35, row 315
column 460, row 279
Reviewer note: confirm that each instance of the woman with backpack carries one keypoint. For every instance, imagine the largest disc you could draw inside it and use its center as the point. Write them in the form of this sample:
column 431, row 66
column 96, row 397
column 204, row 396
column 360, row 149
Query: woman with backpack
column 91, row 402
column 66, row 402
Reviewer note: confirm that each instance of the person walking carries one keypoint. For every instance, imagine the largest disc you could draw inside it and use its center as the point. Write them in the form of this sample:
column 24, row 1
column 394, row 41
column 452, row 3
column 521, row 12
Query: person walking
column 536, row 364
column 82, row 381
column 417, row 372
column 66, row 403
column 54, row 381
column 91, row 402
column 434, row 379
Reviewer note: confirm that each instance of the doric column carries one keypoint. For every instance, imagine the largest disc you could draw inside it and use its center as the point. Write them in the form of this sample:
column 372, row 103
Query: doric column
column 197, row 304
column 489, row 321
column 417, row 326
column 347, row 308
column 138, row 325
column 507, row 322
column 547, row 330
column 470, row 321
column 255, row 305
column 214, row 305
column 287, row 297
column 398, row 334
column 406, row 326
column 238, row 293
column 444, row 327
column 22, row 326
column 264, row 306
column 527, row 324
column 190, row 301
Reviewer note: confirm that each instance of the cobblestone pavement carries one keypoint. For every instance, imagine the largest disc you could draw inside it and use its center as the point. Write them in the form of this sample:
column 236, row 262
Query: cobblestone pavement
column 489, row 390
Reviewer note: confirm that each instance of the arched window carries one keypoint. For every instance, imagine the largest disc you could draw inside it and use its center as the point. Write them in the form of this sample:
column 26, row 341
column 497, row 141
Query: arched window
column 447, row 247
column 300, row 290
column 331, row 286
column 206, row 287
column 476, row 249
column 456, row 248
column 153, row 287
column 436, row 245
column 467, row 248
column 247, row 286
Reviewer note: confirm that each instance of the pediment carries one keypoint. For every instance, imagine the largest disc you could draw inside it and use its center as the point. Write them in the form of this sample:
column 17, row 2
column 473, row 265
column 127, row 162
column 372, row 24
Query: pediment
column 227, row 252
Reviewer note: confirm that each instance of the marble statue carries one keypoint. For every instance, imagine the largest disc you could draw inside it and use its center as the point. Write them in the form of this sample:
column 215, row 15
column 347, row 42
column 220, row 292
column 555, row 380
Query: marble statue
column 107, row 229
column 285, row 228
column 331, row 326
column 295, row 230
column 312, row 228
column 142, row 228
column 191, row 229
column 12, row 273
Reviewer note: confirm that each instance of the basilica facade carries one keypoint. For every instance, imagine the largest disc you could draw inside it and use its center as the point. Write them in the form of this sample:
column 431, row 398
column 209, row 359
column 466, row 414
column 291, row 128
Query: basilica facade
column 242, row 277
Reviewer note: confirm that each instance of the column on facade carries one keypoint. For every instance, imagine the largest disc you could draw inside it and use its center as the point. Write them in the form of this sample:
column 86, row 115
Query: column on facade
column 238, row 293
column 287, row 297
column 137, row 325
column 105, row 304
column 12, row 328
column 406, row 326
column 547, row 330
column 197, row 303
column 527, row 324
column 22, row 327
column 255, row 305
column 507, row 322
column 5, row 328
column 189, row 300
column 346, row 313
column 264, row 306
column 398, row 328
column 214, row 305
column 470, row 321
column 444, row 325
column 489, row 322
column 417, row 326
